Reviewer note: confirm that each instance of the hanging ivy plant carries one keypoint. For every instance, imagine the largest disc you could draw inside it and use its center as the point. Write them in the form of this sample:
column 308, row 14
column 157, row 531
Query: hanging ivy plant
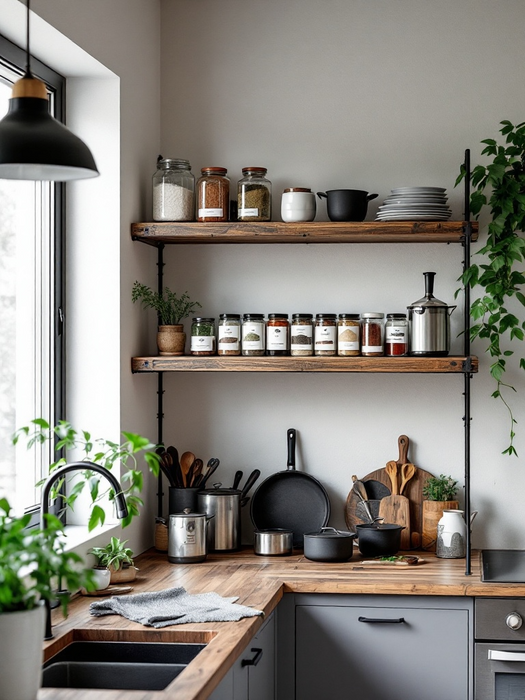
column 500, row 185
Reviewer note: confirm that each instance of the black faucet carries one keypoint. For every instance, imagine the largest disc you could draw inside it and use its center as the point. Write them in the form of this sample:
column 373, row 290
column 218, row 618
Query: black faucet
column 120, row 504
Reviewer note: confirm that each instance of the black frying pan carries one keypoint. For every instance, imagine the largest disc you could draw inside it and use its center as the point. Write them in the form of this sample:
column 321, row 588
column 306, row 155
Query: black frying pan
column 290, row 500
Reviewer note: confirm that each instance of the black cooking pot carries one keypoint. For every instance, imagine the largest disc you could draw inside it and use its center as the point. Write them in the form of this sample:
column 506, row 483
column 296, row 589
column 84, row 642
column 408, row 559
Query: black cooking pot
column 379, row 540
column 329, row 544
column 347, row 205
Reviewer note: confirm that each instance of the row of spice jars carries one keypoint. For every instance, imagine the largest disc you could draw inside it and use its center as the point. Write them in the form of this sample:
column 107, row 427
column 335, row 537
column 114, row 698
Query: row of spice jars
column 345, row 335
column 177, row 198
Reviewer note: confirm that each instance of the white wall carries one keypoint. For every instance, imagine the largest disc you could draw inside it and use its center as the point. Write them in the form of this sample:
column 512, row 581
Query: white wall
column 325, row 95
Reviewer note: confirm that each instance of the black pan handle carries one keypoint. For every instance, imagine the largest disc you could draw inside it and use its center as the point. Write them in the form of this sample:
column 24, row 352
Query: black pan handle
column 292, row 434
column 250, row 481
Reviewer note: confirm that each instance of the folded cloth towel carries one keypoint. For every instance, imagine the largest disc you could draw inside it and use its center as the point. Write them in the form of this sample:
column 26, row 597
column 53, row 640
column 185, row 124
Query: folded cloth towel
column 173, row 606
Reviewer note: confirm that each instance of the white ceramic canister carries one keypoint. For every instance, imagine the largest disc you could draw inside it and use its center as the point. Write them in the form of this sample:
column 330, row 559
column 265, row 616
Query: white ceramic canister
column 451, row 535
column 298, row 204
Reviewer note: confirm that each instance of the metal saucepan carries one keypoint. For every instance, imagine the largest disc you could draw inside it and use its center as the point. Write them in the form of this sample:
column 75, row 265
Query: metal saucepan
column 329, row 544
column 273, row 543
column 291, row 500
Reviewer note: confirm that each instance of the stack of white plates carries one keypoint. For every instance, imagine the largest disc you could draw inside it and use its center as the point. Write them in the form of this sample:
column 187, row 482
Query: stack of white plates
column 415, row 204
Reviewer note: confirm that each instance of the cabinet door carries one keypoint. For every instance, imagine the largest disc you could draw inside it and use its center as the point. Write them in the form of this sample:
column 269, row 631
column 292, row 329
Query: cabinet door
column 261, row 677
column 424, row 657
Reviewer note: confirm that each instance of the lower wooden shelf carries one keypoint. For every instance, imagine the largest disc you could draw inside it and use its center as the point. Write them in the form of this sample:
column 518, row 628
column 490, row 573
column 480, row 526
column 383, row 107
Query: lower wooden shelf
column 215, row 363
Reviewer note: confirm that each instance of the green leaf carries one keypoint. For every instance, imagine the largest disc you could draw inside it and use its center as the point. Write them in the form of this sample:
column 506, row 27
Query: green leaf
column 97, row 516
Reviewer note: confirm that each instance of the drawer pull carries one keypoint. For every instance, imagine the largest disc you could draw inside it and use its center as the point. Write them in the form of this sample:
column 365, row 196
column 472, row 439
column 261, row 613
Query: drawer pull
column 257, row 655
column 382, row 620
column 495, row 655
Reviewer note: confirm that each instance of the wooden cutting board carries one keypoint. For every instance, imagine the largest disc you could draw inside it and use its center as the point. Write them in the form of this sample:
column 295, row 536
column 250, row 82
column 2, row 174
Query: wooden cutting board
column 396, row 508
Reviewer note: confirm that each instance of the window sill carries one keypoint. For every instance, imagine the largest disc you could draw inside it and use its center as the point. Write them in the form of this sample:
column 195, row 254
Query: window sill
column 79, row 539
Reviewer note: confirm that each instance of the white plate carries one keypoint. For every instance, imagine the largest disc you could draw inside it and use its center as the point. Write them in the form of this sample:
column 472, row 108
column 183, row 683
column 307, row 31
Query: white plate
column 416, row 200
column 418, row 190
column 425, row 205
column 412, row 217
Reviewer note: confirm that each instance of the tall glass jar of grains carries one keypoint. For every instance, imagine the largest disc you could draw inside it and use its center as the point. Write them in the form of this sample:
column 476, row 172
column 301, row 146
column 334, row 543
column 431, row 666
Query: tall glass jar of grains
column 229, row 334
column 372, row 334
column 301, row 343
column 325, row 334
column 202, row 336
column 213, row 195
column 254, row 195
column 348, row 335
column 173, row 190
column 253, row 335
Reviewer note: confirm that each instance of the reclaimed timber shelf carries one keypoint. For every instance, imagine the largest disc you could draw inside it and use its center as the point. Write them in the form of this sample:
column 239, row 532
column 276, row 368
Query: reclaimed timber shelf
column 388, row 365
column 157, row 233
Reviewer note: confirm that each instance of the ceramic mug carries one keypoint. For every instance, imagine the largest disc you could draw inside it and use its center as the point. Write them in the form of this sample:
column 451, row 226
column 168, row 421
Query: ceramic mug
column 298, row 204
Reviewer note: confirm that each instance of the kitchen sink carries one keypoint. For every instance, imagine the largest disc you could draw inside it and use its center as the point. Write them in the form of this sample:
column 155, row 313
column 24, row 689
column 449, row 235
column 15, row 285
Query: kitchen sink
column 118, row 665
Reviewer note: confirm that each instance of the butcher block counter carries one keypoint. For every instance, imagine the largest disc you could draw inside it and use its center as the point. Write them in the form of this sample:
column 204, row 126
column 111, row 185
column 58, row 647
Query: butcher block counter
column 259, row 582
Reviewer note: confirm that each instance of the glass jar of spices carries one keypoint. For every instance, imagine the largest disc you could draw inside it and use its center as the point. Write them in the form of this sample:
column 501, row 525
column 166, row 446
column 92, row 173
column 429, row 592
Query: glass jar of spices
column 229, row 334
column 348, row 341
column 396, row 335
column 301, row 342
column 277, row 335
column 173, row 190
column 254, row 195
column 253, row 335
column 202, row 336
column 325, row 335
column 213, row 195
column 372, row 334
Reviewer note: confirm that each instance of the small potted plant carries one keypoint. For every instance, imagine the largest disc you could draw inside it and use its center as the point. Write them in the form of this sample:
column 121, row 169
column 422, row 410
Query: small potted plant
column 118, row 559
column 171, row 310
column 438, row 492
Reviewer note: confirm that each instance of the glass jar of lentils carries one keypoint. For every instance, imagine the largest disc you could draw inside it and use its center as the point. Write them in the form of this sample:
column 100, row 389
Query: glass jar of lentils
column 229, row 335
column 372, row 334
column 348, row 336
column 202, row 336
column 277, row 335
column 253, row 335
column 325, row 335
column 301, row 342
column 213, row 195
column 254, row 195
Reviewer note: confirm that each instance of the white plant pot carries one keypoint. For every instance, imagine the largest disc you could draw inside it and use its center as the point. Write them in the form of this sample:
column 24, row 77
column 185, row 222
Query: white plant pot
column 21, row 658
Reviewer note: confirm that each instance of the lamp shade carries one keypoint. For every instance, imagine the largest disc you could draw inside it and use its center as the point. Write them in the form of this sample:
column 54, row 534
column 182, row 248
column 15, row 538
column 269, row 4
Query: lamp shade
column 34, row 145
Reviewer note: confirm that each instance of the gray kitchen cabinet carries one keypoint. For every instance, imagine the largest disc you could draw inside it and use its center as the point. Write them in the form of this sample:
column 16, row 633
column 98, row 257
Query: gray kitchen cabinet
column 378, row 648
column 252, row 677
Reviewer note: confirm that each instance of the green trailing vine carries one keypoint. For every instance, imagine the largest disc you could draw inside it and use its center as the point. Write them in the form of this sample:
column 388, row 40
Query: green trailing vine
column 500, row 185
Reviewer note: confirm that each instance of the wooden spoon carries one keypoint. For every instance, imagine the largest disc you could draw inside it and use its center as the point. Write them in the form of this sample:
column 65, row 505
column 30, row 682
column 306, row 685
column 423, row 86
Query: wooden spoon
column 391, row 470
column 186, row 460
column 407, row 472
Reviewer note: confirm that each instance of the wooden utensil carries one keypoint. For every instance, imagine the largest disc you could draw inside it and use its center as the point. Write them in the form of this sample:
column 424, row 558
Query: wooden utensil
column 407, row 472
column 396, row 508
column 360, row 490
column 186, row 460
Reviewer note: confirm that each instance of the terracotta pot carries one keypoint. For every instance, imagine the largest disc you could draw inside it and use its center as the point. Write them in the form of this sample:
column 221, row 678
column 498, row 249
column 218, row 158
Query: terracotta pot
column 124, row 574
column 432, row 514
column 171, row 340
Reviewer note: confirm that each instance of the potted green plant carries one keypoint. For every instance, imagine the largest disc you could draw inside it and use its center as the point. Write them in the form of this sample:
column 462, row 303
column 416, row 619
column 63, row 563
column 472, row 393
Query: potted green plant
column 171, row 310
column 500, row 185
column 438, row 493
column 98, row 451
column 30, row 562
column 117, row 558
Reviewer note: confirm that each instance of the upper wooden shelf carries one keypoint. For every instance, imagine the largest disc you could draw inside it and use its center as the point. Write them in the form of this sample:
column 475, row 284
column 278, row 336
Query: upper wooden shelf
column 156, row 233
column 215, row 363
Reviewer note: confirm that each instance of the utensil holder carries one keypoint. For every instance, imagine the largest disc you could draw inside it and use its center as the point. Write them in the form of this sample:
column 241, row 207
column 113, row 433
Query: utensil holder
column 179, row 499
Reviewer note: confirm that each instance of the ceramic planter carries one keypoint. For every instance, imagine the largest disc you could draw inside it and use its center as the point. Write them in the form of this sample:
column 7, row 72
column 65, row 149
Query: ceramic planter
column 171, row 340
column 432, row 514
column 102, row 577
column 124, row 574
column 21, row 657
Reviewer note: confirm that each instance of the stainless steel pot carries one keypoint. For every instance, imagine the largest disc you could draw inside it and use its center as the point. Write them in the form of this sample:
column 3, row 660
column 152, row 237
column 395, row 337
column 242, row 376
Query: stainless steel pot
column 224, row 532
column 187, row 537
column 272, row 543
column 429, row 322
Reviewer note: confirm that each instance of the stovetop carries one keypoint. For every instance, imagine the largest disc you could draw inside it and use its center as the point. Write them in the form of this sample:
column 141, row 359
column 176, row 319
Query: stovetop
column 503, row 565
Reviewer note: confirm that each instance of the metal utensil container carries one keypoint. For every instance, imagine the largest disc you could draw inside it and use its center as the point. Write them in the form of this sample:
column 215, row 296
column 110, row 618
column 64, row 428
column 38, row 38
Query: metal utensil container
column 224, row 531
column 187, row 537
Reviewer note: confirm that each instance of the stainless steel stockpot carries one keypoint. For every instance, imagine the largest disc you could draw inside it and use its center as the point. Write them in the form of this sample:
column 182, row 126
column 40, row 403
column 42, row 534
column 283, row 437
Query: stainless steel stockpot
column 429, row 321
column 273, row 543
column 224, row 532
column 187, row 537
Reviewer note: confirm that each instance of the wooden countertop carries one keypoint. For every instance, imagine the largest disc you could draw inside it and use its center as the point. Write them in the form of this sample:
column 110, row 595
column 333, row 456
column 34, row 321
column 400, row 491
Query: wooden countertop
column 259, row 582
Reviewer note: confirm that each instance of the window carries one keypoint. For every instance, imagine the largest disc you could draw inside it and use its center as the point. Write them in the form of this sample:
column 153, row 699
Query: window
column 31, row 302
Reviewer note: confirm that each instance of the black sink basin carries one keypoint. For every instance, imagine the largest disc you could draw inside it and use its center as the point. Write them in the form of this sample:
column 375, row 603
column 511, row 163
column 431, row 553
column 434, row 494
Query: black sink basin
column 118, row 665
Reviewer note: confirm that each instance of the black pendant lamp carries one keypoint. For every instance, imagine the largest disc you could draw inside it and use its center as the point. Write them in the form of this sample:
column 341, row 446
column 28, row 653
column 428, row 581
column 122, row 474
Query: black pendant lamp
column 33, row 144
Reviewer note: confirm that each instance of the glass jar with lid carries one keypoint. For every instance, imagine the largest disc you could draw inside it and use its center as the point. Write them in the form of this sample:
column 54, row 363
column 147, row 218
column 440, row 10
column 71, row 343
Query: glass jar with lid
column 253, row 335
column 348, row 336
column 396, row 335
column 301, row 341
column 277, row 335
column 229, row 334
column 213, row 195
column 325, row 334
column 372, row 334
column 254, row 195
column 173, row 190
column 202, row 336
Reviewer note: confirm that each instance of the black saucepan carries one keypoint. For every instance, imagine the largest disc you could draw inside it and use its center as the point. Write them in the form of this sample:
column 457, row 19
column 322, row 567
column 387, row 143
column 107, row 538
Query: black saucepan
column 347, row 205
column 290, row 500
column 329, row 545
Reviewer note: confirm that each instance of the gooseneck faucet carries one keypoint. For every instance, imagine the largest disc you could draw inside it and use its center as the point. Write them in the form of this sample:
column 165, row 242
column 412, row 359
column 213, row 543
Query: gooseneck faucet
column 58, row 473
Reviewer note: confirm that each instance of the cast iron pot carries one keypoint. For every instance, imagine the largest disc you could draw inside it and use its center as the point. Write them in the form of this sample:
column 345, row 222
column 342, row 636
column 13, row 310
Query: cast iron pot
column 346, row 205
column 379, row 540
column 329, row 544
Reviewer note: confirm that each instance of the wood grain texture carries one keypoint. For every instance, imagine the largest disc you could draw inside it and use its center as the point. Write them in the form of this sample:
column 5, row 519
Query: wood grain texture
column 192, row 363
column 154, row 233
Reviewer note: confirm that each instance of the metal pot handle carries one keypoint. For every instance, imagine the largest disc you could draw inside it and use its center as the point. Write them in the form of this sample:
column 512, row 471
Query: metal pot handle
column 322, row 194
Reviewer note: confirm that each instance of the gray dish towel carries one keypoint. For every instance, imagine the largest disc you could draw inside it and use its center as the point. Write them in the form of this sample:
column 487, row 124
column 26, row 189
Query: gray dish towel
column 173, row 606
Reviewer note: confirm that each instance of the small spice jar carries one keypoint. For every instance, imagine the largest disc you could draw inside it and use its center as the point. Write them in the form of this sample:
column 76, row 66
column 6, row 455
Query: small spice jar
column 325, row 334
column 229, row 335
column 277, row 334
column 372, row 334
column 301, row 341
column 173, row 190
column 213, row 195
column 254, row 195
column 202, row 336
column 253, row 335
column 348, row 340
column 396, row 335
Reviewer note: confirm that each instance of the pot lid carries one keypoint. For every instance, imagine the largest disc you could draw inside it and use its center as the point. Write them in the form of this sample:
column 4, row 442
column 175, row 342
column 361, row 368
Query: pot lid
column 186, row 513
column 217, row 490
column 331, row 533
column 379, row 526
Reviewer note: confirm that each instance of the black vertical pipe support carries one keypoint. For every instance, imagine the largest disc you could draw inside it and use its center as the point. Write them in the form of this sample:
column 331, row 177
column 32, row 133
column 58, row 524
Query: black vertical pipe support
column 160, row 381
column 466, row 351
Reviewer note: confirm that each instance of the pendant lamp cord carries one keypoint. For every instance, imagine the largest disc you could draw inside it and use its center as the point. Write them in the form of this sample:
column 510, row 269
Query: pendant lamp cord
column 28, row 54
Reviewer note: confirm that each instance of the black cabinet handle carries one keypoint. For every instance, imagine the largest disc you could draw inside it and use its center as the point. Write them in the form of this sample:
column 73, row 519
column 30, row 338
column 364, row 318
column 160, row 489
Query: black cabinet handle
column 382, row 620
column 257, row 655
